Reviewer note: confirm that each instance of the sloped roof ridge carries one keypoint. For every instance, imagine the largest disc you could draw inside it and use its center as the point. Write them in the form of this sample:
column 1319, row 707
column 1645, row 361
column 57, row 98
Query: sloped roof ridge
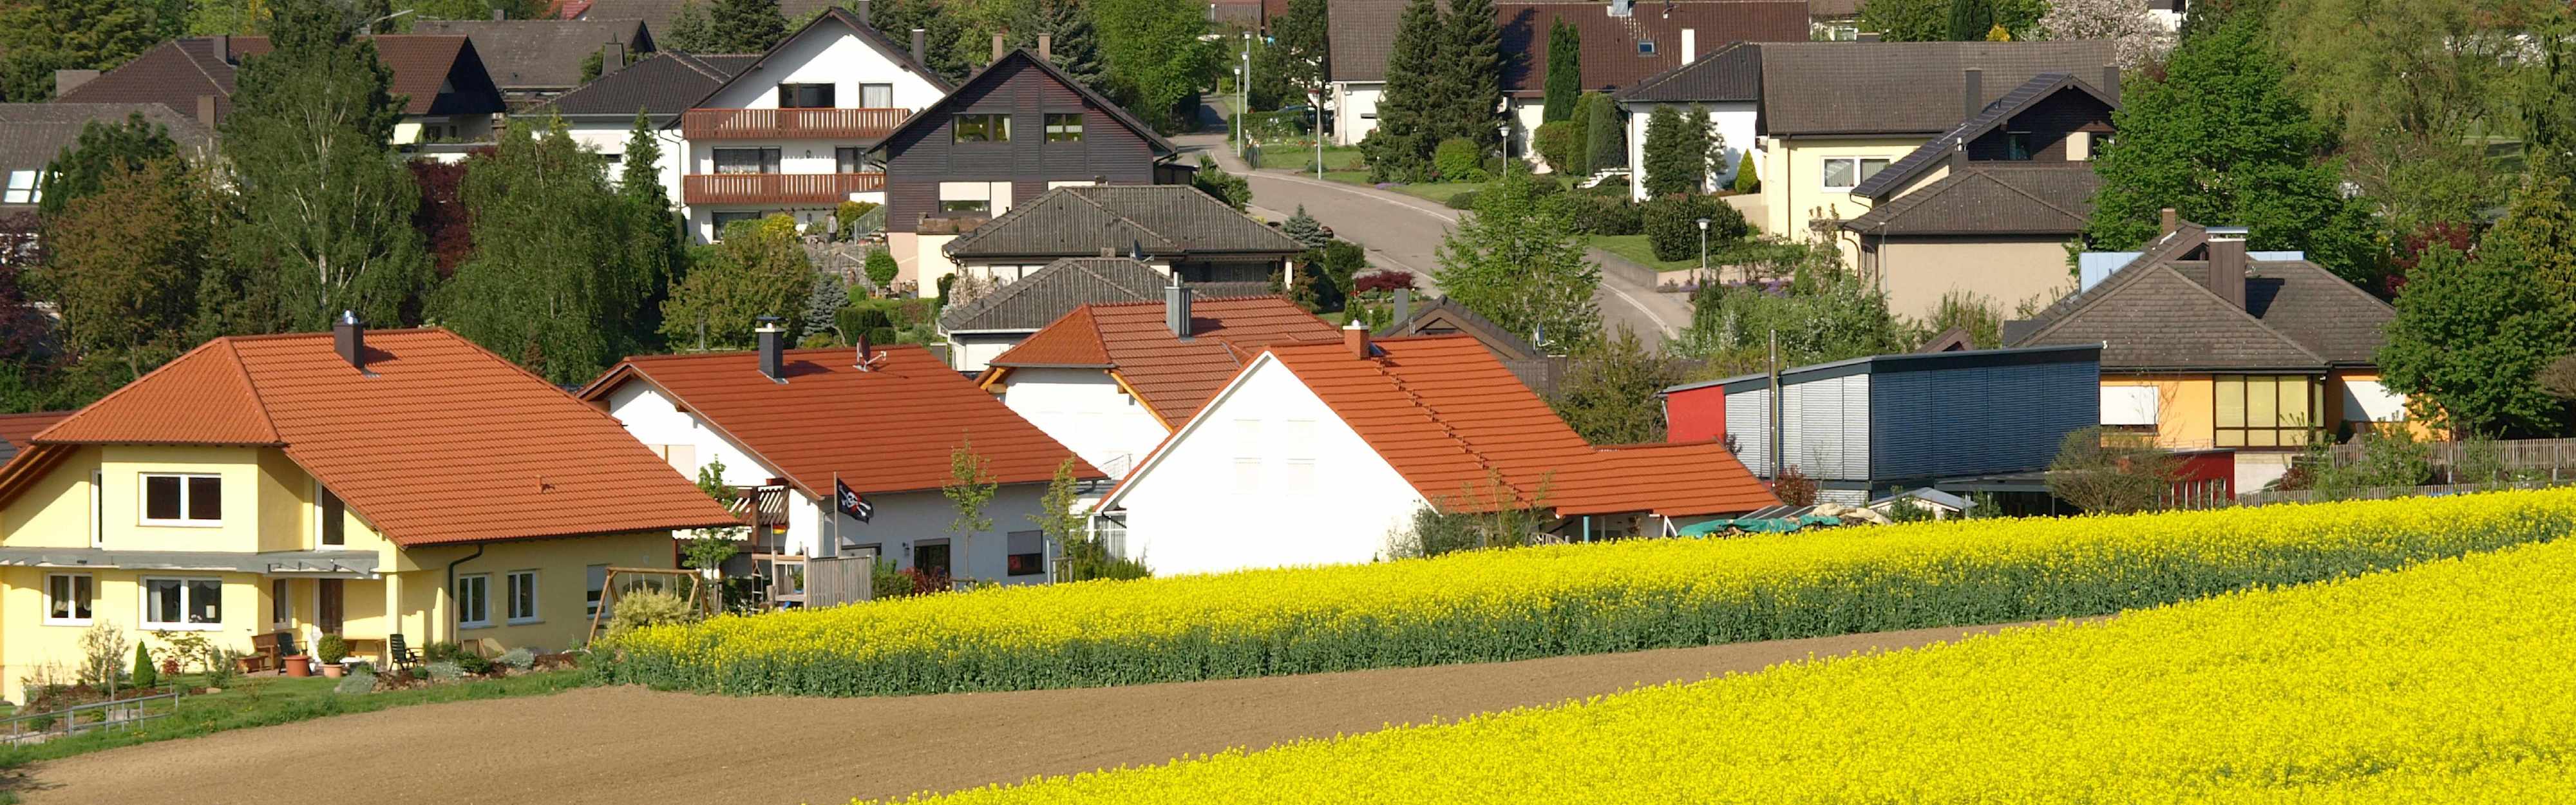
column 121, row 391
column 2205, row 292
column 1667, row 76
column 1085, row 193
column 2039, row 87
column 2154, row 253
column 901, row 56
column 257, row 402
column 1999, row 181
column 1447, row 428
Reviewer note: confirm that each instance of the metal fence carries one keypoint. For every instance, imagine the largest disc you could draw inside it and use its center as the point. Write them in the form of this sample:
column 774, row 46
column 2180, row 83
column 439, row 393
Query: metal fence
column 80, row 718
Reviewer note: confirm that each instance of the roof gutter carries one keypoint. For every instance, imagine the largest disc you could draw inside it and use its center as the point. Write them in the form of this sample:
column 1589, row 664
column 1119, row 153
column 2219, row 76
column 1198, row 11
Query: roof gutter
column 455, row 614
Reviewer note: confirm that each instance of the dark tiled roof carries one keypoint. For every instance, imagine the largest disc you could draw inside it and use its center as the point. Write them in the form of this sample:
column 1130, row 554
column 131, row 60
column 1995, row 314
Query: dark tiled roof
column 1987, row 199
column 1363, row 35
column 658, row 13
column 540, row 54
column 661, row 85
column 1045, row 295
column 1902, row 87
column 179, row 71
column 2039, row 88
column 1009, row 65
column 33, row 134
column 1833, row 9
column 1444, row 317
column 1086, row 221
column 2157, row 313
column 1732, row 72
column 1611, row 55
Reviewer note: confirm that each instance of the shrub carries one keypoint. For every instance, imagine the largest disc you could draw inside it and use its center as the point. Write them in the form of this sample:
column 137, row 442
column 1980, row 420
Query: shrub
column 1745, row 179
column 473, row 663
column 223, row 666
column 1383, row 281
column 1480, row 606
column 443, row 671
column 331, row 649
column 1458, row 160
column 145, row 676
column 102, row 656
column 881, row 271
column 646, row 607
column 1554, row 142
column 1794, row 488
column 518, row 658
column 1671, row 225
column 357, row 682
column 848, row 214
column 1599, row 214
column 1464, row 200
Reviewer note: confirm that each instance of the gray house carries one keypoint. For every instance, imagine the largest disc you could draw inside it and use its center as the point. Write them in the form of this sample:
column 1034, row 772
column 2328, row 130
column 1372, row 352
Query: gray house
column 986, row 326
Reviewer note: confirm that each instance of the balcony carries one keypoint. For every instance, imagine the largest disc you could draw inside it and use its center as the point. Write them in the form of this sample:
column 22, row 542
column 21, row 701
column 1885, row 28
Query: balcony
column 790, row 124
column 777, row 188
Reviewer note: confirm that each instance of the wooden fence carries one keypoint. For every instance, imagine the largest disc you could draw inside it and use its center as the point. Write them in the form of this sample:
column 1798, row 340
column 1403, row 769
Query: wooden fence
column 832, row 582
column 2556, row 457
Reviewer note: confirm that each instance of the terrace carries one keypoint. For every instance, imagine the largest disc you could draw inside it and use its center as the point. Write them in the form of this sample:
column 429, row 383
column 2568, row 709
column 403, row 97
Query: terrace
column 785, row 124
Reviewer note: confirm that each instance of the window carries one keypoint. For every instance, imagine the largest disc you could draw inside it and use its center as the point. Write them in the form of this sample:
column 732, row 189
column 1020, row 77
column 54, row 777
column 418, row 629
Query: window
column 965, row 205
column 280, row 609
column 1645, row 47
column 183, row 604
column 2266, row 410
column 1845, row 173
column 746, row 160
column 190, row 500
column 1028, row 553
column 598, row 575
column 334, row 518
column 1247, row 455
column 1297, row 443
column 2130, row 408
column 523, row 596
column 1064, row 128
column 474, row 600
column 23, row 188
column 1111, row 531
column 68, row 598
column 988, row 128
column 849, row 160
column 804, row 96
column 876, row 96
column 725, row 219
column 2017, row 145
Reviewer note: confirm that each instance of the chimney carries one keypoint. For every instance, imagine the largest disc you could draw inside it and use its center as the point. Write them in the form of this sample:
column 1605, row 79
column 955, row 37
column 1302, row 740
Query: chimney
column 920, row 46
column 224, row 48
column 611, row 57
column 67, row 80
column 2227, row 263
column 206, row 111
column 1690, row 45
column 349, row 338
column 1972, row 92
column 773, row 349
column 1356, row 337
column 864, row 16
column 997, row 46
column 1403, row 305
column 1046, row 47
column 2168, row 220
column 1176, row 308
column 2110, row 81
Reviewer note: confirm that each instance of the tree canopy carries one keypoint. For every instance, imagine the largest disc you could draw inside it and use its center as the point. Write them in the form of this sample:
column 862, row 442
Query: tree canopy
column 1608, row 391
column 552, row 284
column 758, row 269
column 1564, row 71
column 38, row 37
column 1409, row 110
column 104, row 150
column 1520, row 263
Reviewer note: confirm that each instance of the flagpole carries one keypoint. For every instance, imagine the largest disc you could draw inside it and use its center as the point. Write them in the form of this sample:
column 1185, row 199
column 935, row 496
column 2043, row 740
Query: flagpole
column 835, row 511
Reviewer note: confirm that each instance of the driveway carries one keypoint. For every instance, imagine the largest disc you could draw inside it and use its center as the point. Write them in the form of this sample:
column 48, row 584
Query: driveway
column 628, row 744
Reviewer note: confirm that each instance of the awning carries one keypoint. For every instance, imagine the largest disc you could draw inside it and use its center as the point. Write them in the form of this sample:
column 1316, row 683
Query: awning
column 319, row 564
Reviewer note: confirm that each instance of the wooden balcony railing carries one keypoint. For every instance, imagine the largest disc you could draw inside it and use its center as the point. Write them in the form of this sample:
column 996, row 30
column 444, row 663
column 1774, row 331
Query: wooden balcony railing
column 773, row 124
column 777, row 188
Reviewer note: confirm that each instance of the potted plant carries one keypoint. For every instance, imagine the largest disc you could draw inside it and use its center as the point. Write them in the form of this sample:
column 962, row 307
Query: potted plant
column 297, row 665
column 332, row 649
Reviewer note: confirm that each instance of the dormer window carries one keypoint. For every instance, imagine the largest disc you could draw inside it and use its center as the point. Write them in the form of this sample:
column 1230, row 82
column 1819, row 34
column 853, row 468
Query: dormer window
column 804, row 96
column 1645, row 47
column 183, row 500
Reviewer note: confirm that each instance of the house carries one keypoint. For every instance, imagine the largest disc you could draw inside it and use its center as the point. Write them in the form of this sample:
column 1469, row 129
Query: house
column 1873, row 426
column 1624, row 41
column 985, row 326
column 2203, row 347
column 1823, row 119
column 1111, row 380
column 663, row 86
column 365, row 484
column 1178, row 229
column 39, row 133
column 18, row 431
column 1007, row 135
column 447, row 95
column 1439, row 316
column 882, row 422
column 1319, row 453
column 532, row 61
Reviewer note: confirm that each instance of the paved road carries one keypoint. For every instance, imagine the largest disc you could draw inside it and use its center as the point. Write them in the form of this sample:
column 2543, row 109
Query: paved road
column 1404, row 232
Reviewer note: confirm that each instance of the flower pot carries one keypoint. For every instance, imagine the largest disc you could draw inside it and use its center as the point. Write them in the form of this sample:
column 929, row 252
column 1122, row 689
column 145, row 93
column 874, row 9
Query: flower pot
column 333, row 670
column 299, row 665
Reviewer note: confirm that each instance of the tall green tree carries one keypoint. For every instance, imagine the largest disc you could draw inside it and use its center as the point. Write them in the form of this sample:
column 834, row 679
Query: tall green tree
column 655, row 235
column 466, row 9
column 1474, row 70
column 1157, row 60
column 1074, row 44
column 126, row 258
column 1410, row 109
column 746, row 26
column 2470, row 339
column 38, row 37
column 1604, row 134
column 552, row 284
column 104, row 150
column 1971, row 19
column 1677, row 151
column 1908, row 20
column 2545, row 96
column 1564, row 72
column 1520, row 262
column 1608, row 392
column 1303, row 31
column 953, row 53
column 2220, row 140
column 758, row 269
column 326, row 204
column 1578, row 140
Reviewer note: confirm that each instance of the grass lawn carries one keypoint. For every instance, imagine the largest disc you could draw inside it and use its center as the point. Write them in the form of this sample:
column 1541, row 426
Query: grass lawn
column 1635, row 247
column 277, row 700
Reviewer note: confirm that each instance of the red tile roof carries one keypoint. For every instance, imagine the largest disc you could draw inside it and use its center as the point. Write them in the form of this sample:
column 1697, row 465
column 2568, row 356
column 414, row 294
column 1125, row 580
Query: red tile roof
column 16, row 428
column 437, row 442
column 1172, row 376
column 1670, row 479
column 887, row 430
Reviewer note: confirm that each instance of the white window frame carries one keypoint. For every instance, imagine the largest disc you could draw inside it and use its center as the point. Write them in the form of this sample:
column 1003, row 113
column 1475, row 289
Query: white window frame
column 187, row 602
column 1859, row 164
column 24, row 187
column 50, row 598
column 510, row 601
column 143, row 499
column 482, row 594
column 596, row 577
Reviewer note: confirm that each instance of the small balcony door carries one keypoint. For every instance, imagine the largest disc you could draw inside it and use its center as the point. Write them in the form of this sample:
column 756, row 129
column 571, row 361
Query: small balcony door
column 330, row 614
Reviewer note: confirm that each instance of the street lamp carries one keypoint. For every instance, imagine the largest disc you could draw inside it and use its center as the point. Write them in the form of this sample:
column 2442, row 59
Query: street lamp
column 1315, row 100
column 1703, row 252
column 1243, row 90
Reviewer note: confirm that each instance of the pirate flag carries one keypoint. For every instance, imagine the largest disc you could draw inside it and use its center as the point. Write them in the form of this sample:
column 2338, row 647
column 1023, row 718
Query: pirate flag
column 850, row 503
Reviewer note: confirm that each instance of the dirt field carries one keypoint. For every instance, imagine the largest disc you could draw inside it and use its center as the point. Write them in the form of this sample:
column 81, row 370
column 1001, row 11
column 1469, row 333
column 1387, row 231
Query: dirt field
column 627, row 744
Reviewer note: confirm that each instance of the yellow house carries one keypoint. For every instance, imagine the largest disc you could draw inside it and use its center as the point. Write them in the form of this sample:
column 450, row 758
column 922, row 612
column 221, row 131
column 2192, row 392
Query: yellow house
column 2205, row 348
column 362, row 484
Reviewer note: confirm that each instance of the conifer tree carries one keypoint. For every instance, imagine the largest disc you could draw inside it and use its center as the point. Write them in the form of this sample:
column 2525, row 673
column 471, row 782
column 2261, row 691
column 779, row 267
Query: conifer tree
column 1474, row 66
column 1564, row 72
column 1305, row 230
column 1971, row 20
column 655, row 235
column 823, row 306
column 1410, row 110
column 1604, row 135
column 1677, row 149
column 746, row 26
column 1074, row 46
column 38, row 37
column 1304, row 32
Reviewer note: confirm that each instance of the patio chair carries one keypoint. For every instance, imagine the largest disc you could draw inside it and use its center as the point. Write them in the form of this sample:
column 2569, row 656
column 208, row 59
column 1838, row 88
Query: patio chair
column 286, row 647
column 400, row 653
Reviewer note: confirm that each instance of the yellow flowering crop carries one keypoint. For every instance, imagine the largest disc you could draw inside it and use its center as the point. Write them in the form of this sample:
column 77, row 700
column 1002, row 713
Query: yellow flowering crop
column 1573, row 599
column 2446, row 682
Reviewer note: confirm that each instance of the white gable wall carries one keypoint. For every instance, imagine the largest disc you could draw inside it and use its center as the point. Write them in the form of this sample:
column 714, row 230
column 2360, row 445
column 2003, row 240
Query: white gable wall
column 1227, row 495
column 827, row 54
column 1086, row 411
column 1734, row 125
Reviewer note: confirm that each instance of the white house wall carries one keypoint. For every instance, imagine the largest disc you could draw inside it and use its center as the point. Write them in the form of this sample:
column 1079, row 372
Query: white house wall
column 1734, row 124
column 844, row 61
column 1355, row 110
column 903, row 520
column 610, row 140
column 1086, row 411
column 1213, row 503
